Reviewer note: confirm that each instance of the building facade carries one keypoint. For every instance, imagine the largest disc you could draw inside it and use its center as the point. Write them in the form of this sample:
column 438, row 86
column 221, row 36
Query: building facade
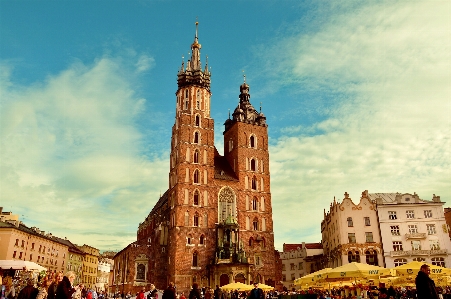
column 19, row 242
column 412, row 229
column 299, row 260
column 214, row 223
column 350, row 233
column 90, row 265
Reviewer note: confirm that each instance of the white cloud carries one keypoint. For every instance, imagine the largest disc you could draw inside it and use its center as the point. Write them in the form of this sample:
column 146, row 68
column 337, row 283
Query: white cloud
column 72, row 158
column 392, row 62
column 144, row 63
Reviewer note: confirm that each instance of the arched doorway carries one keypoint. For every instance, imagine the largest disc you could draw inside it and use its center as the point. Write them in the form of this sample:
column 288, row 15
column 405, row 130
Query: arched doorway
column 223, row 280
column 240, row 278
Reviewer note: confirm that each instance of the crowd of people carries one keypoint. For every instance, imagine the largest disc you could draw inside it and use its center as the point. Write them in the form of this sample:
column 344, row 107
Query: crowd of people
column 59, row 286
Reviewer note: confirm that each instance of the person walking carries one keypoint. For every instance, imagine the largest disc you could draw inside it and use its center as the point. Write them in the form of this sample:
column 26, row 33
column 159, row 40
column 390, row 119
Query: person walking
column 65, row 289
column 256, row 292
column 51, row 291
column 195, row 292
column 42, row 294
column 28, row 292
column 169, row 293
column 424, row 284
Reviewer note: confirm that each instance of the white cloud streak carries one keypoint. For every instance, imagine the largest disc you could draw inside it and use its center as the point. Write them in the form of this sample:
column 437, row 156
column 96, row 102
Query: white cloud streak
column 392, row 63
column 72, row 157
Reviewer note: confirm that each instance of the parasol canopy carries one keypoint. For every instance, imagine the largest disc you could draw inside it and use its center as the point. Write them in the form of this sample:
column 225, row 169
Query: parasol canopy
column 357, row 270
column 413, row 267
column 264, row 287
column 237, row 286
column 20, row 265
column 312, row 277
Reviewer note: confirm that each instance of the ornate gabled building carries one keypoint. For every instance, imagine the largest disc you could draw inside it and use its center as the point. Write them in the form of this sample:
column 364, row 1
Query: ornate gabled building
column 214, row 223
column 350, row 233
column 412, row 229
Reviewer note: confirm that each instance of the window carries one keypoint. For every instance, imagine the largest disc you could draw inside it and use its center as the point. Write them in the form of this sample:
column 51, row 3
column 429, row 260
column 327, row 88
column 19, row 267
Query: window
column 20, row 255
column 254, row 183
column 434, row 245
column 254, row 204
column 427, row 213
column 371, row 257
column 31, row 257
column 196, row 176
column 301, row 265
column 353, row 257
column 399, row 262
column 188, row 239
column 253, row 164
column 416, row 244
column 394, row 230
column 197, row 121
column 23, row 244
column 255, row 224
column 196, row 198
column 293, row 276
column 410, row 214
column 202, row 240
column 419, row 259
column 367, row 221
column 397, row 246
column 252, row 141
column 350, row 223
column 292, row 267
column 251, row 242
column 17, row 242
column 438, row 261
column 351, row 237
column 369, row 237
column 196, row 156
column 196, row 220
column 283, row 267
column 198, row 100
column 413, row 229
column 196, row 137
column 284, row 277
column 32, row 246
column 392, row 215
column 431, row 229
column 14, row 254
column 195, row 259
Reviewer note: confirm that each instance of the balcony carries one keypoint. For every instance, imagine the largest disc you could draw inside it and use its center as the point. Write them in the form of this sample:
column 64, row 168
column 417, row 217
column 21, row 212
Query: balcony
column 417, row 252
column 416, row 236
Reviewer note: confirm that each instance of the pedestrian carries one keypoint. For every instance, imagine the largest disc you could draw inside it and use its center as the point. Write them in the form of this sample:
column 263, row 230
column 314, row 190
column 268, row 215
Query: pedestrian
column 65, row 288
column 152, row 291
column 28, row 292
column 42, row 294
column 217, row 294
column 169, row 293
column 51, row 291
column 424, row 284
column 256, row 292
column 195, row 292
column 141, row 294
column 10, row 291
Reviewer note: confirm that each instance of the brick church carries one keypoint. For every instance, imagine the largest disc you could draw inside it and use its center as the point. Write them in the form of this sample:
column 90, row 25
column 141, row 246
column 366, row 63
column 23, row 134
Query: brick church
column 214, row 224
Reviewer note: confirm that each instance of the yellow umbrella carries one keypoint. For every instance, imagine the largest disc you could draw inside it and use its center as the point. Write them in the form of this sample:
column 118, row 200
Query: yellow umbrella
column 357, row 270
column 237, row 286
column 264, row 287
column 312, row 277
column 412, row 268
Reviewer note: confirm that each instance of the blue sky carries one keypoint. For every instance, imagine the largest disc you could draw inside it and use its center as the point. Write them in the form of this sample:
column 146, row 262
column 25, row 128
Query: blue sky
column 357, row 95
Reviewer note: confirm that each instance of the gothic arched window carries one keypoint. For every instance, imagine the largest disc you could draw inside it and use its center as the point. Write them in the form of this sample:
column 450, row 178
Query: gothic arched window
column 254, row 183
column 196, row 156
column 196, row 176
column 202, row 240
column 226, row 204
column 194, row 259
column 196, row 198
column 255, row 224
column 198, row 100
column 197, row 120
column 196, row 137
column 252, row 141
column 253, row 167
column 255, row 204
column 196, row 220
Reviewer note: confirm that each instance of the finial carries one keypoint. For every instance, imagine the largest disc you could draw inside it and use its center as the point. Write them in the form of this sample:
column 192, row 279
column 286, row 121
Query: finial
column 197, row 23
column 229, row 113
column 244, row 77
column 260, row 107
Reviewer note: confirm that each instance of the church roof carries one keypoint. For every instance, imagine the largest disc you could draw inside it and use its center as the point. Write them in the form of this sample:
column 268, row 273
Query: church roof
column 223, row 171
column 290, row 247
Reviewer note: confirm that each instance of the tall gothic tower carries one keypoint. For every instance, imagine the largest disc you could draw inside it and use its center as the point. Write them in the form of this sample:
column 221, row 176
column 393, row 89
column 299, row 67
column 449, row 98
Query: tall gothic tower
column 214, row 223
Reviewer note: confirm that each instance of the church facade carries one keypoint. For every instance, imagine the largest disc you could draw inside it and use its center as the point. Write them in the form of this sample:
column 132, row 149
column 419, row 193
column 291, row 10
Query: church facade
column 214, row 224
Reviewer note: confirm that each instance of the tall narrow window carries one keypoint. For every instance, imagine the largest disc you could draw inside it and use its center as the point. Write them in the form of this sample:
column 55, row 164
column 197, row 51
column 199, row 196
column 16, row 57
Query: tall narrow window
column 255, row 224
column 196, row 137
column 196, row 198
column 197, row 120
column 255, row 204
column 196, row 220
column 195, row 259
column 202, row 240
column 196, row 176
column 397, row 246
column 254, row 183
column 253, row 164
column 252, row 141
column 427, row 213
column 196, row 156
